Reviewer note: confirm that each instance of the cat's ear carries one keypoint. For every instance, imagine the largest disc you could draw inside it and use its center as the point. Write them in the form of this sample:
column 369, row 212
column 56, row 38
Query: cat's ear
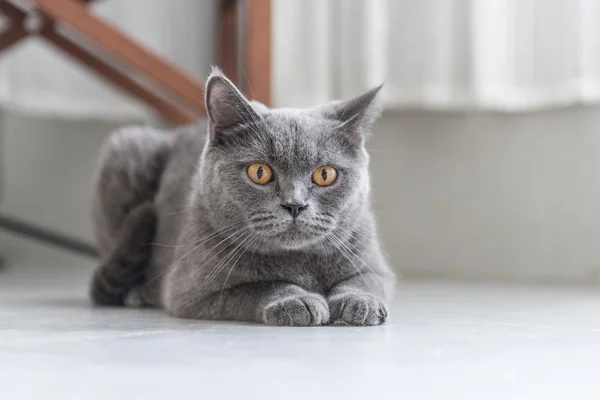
column 357, row 115
column 226, row 106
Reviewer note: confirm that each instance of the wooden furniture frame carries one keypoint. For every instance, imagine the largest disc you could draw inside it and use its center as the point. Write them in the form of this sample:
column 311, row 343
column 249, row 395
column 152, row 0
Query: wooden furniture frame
column 244, row 48
column 69, row 25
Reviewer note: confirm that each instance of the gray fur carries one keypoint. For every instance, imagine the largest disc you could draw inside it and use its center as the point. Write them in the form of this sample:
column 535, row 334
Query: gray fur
column 225, row 248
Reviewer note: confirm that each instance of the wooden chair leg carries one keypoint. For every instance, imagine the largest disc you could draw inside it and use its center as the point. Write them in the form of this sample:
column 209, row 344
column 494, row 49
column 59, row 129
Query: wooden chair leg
column 186, row 92
column 121, row 47
column 258, row 50
column 228, row 33
column 15, row 31
column 11, row 36
column 124, row 82
column 10, row 11
column 161, row 103
column 250, row 22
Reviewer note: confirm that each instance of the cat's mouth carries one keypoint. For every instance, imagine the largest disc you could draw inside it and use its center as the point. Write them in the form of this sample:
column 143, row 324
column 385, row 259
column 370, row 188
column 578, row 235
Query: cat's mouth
column 296, row 237
column 292, row 233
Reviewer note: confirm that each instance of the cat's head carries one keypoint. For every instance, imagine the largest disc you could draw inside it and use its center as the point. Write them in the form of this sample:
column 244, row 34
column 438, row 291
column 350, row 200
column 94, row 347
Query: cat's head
column 289, row 178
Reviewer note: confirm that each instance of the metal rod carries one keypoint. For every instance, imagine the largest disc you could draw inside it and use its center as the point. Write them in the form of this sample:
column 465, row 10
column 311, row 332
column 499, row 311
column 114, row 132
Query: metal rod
column 54, row 238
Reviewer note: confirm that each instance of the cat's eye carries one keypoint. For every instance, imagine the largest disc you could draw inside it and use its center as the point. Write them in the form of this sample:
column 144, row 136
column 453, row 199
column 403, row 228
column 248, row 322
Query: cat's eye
column 260, row 174
column 324, row 176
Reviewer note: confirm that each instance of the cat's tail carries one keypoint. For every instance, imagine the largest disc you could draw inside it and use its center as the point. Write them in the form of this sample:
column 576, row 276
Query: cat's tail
column 124, row 268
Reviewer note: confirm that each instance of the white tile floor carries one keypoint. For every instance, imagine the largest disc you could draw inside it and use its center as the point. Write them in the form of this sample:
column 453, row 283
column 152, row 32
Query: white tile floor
column 446, row 341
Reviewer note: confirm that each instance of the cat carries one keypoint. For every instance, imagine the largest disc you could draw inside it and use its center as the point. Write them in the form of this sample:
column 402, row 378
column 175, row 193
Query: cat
column 258, row 215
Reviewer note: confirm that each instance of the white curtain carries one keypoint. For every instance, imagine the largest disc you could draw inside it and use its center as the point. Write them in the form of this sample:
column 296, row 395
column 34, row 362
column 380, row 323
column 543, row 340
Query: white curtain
column 36, row 78
column 508, row 55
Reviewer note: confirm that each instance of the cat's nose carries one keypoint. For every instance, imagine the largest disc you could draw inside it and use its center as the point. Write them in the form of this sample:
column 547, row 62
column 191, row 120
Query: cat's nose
column 294, row 208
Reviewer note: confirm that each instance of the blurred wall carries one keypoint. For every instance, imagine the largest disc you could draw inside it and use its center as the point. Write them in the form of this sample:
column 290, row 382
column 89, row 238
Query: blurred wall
column 492, row 195
column 48, row 167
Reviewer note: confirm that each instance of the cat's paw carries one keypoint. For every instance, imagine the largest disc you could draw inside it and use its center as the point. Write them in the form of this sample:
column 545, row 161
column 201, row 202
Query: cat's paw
column 357, row 309
column 297, row 310
column 135, row 298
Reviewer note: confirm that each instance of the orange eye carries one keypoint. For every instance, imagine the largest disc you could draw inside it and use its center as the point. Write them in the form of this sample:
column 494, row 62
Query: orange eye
column 260, row 173
column 324, row 176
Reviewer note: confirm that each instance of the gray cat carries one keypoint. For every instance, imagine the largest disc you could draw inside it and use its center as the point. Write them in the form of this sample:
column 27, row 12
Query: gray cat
column 265, row 218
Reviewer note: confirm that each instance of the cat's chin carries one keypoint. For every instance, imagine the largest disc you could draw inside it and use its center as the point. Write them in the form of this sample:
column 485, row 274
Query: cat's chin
column 292, row 240
column 299, row 244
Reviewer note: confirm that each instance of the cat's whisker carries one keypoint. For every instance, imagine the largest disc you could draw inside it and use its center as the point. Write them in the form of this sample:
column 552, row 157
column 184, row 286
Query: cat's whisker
column 231, row 236
column 192, row 250
column 346, row 256
column 252, row 241
column 358, row 256
column 175, row 263
column 229, row 241
column 376, row 150
column 221, row 265
column 262, row 218
column 214, row 273
column 222, row 231
column 350, row 256
column 203, row 260
column 259, row 242
column 369, row 239
column 203, row 240
column 179, row 211
column 371, row 242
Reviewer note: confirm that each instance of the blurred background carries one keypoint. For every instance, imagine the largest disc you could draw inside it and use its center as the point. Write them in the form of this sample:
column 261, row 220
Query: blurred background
column 486, row 186
column 485, row 163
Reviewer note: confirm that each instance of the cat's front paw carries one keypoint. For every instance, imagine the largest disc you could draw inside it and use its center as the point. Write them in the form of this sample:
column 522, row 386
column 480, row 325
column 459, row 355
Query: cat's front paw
column 297, row 310
column 357, row 309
